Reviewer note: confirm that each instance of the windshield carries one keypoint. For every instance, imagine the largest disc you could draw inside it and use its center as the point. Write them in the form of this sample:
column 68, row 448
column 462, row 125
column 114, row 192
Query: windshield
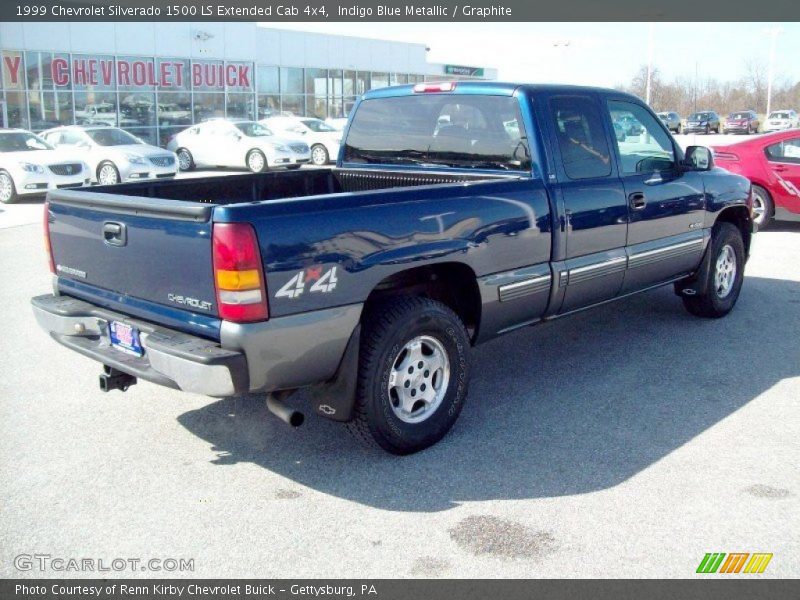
column 739, row 115
column 700, row 116
column 253, row 129
column 479, row 132
column 779, row 115
column 318, row 126
column 22, row 141
column 112, row 137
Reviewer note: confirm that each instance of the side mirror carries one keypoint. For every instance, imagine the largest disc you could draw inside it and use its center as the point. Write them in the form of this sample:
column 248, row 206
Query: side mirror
column 698, row 158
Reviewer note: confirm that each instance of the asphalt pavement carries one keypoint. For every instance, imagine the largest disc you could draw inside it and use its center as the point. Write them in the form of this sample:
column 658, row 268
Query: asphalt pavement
column 626, row 441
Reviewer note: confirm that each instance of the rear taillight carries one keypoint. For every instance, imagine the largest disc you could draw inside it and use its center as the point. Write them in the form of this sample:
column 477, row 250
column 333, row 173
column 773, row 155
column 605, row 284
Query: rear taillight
column 47, row 246
column 238, row 274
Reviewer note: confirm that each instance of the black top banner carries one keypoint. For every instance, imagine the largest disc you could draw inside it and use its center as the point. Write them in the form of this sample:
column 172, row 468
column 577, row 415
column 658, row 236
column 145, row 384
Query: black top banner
column 397, row 11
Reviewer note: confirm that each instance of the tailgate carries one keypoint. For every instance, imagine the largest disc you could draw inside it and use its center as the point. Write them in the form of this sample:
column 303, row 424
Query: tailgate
column 149, row 249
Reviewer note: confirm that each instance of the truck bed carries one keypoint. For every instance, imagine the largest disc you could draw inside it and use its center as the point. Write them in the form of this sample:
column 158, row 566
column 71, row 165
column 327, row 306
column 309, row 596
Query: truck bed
column 235, row 189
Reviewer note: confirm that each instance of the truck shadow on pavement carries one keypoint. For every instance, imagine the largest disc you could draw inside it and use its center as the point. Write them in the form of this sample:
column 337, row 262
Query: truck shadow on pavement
column 568, row 407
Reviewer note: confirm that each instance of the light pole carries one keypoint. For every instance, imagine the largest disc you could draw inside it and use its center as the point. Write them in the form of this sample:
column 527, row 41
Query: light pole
column 774, row 32
column 649, row 63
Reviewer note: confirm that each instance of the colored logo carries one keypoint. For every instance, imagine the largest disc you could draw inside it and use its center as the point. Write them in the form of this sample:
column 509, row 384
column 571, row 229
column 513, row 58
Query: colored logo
column 735, row 562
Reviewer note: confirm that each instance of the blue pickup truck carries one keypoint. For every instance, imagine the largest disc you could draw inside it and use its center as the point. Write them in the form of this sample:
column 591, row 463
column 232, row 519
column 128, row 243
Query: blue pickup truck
column 456, row 212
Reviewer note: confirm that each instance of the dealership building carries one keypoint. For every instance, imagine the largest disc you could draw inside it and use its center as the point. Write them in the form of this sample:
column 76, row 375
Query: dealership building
column 154, row 79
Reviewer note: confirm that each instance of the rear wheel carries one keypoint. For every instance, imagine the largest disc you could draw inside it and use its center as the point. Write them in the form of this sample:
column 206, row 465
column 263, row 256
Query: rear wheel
column 678, row 129
column 107, row 174
column 8, row 193
column 412, row 377
column 185, row 159
column 723, row 283
column 319, row 155
column 256, row 161
column 763, row 208
column 708, row 129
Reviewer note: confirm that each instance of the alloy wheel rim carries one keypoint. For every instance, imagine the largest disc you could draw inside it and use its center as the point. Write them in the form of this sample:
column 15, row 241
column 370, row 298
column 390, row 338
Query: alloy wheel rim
column 418, row 379
column 183, row 160
column 108, row 175
column 256, row 161
column 725, row 272
column 6, row 188
column 318, row 156
column 759, row 208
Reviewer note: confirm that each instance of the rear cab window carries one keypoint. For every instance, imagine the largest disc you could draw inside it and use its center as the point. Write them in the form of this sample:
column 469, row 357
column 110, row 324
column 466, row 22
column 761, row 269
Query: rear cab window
column 440, row 130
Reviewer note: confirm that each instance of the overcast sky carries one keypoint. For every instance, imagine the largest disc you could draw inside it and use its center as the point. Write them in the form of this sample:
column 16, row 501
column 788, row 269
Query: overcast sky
column 602, row 54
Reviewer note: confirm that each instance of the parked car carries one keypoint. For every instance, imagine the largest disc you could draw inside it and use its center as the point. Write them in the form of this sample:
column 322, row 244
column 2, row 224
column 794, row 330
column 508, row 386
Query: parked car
column 237, row 144
column 779, row 120
column 29, row 165
column 113, row 154
column 702, row 122
column 370, row 282
column 672, row 120
column 619, row 132
column 772, row 163
column 744, row 121
column 323, row 138
column 629, row 125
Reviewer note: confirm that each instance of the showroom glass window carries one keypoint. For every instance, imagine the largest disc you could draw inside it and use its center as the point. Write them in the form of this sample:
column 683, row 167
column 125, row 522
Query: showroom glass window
column 269, row 98
column 136, row 79
column 14, row 85
column 49, row 90
column 95, row 84
column 239, row 80
column 174, row 97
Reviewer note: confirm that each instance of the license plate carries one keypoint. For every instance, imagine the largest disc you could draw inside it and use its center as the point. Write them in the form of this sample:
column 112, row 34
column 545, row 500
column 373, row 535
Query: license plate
column 125, row 338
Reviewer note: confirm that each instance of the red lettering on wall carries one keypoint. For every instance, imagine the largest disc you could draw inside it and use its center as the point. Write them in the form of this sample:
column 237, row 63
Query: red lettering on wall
column 92, row 71
column 123, row 72
column 230, row 75
column 197, row 75
column 59, row 71
column 178, row 73
column 244, row 76
column 79, row 72
column 107, row 69
column 139, row 77
column 12, row 64
column 151, row 74
column 164, row 75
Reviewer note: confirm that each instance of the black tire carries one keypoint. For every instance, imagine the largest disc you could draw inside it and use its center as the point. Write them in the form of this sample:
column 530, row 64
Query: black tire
column 708, row 129
column 9, row 196
column 106, row 164
column 760, row 195
column 388, row 329
column 319, row 155
column 709, row 302
column 678, row 129
column 719, row 127
column 185, row 159
column 264, row 166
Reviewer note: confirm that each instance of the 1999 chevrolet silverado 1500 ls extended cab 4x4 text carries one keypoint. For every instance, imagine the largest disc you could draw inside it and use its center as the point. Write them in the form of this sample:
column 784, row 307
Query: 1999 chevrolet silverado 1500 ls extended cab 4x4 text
column 456, row 212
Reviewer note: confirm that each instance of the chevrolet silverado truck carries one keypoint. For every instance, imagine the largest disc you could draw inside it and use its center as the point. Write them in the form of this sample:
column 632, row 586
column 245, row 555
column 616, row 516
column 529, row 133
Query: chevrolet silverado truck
column 456, row 212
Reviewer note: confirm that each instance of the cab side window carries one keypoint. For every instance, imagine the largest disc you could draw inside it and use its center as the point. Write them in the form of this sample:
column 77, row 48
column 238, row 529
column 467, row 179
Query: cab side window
column 645, row 147
column 70, row 138
column 581, row 138
column 787, row 151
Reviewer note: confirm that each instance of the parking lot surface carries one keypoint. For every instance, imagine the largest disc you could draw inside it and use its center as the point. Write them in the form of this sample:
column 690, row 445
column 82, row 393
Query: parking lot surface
column 626, row 441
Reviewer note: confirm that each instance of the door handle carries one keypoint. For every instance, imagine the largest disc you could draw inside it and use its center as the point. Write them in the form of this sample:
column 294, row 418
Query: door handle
column 637, row 200
column 114, row 234
column 779, row 167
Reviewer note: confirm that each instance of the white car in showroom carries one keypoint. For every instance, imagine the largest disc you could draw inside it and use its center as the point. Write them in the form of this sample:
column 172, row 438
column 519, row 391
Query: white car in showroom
column 778, row 120
column 29, row 165
column 237, row 144
column 113, row 154
column 324, row 139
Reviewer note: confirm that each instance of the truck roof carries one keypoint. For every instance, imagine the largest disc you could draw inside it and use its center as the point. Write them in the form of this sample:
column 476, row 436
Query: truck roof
column 496, row 88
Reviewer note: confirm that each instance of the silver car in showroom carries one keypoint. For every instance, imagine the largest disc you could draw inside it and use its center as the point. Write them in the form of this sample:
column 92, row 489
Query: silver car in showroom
column 237, row 144
column 113, row 154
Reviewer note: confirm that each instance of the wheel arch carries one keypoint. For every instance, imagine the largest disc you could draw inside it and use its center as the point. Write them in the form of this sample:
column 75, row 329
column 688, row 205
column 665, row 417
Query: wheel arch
column 451, row 283
column 739, row 216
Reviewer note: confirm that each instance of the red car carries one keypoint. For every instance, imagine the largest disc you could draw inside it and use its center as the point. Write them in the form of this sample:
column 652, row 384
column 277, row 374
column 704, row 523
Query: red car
column 772, row 163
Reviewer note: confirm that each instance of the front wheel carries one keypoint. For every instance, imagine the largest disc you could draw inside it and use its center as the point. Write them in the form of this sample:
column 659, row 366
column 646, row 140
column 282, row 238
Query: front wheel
column 319, row 155
column 256, row 161
column 107, row 174
column 185, row 159
column 708, row 130
column 412, row 376
column 8, row 193
column 720, row 290
column 763, row 207
column 678, row 130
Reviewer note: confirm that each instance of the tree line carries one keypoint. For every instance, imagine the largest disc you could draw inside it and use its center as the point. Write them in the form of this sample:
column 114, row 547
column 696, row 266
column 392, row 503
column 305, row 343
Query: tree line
column 685, row 95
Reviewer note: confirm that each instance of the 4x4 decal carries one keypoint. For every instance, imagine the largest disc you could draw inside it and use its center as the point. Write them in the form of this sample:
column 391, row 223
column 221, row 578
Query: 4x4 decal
column 322, row 282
